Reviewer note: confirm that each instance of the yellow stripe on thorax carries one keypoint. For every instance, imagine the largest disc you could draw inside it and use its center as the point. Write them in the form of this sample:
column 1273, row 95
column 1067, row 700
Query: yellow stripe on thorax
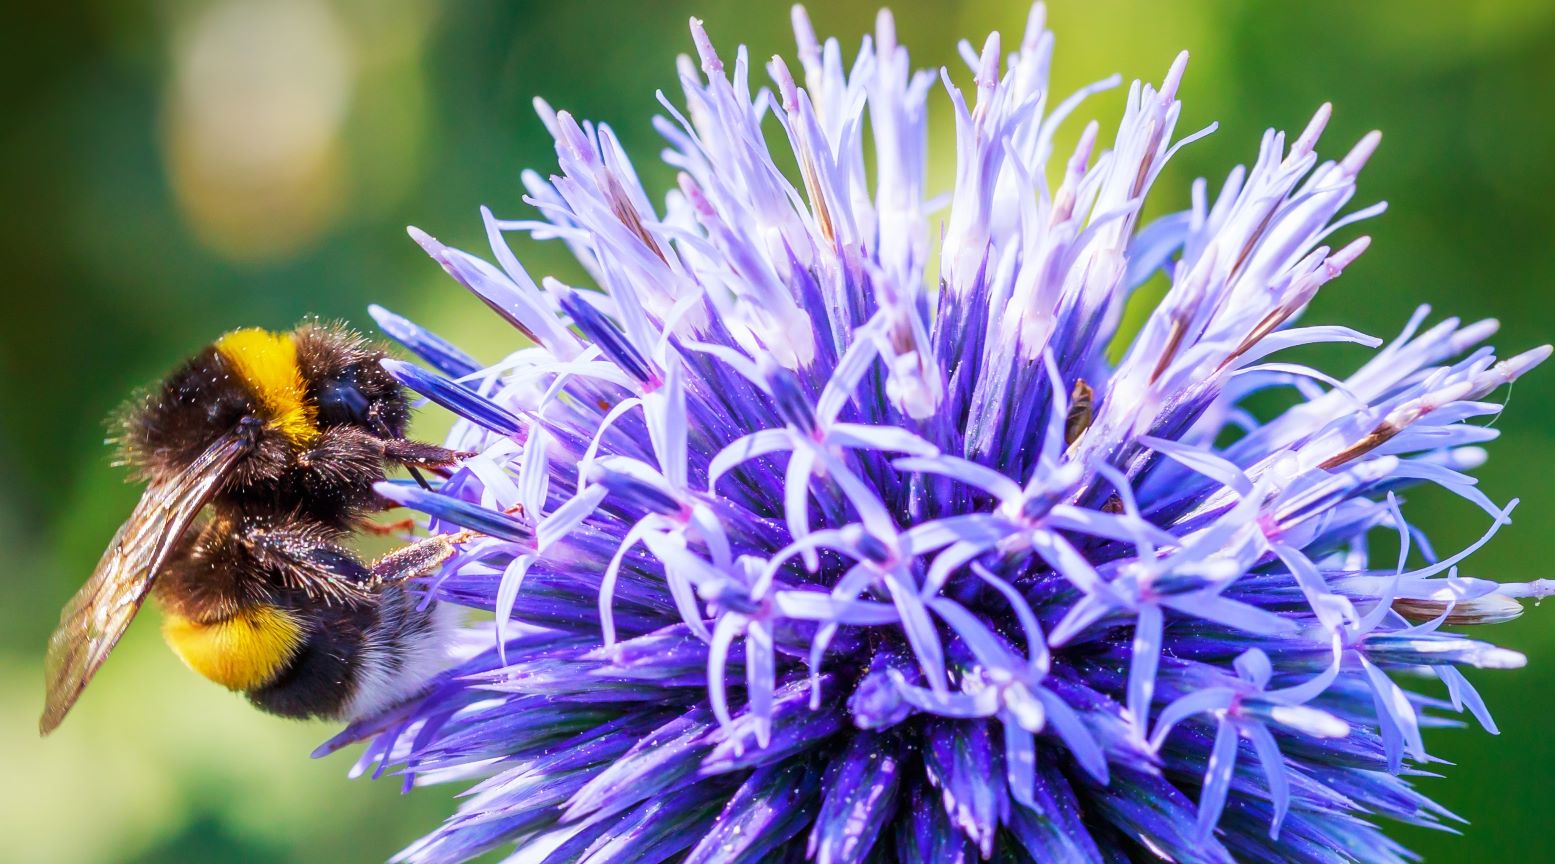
column 243, row 652
column 267, row 363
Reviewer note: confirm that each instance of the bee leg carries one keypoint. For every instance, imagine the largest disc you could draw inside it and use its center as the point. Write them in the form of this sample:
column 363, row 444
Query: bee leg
column 300, row 556
column 417, row 559
column 385, row 529
column 414, row 454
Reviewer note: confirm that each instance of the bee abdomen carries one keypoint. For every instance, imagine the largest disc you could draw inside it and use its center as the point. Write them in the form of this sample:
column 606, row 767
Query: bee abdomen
column 241, row 652
column 359, row 660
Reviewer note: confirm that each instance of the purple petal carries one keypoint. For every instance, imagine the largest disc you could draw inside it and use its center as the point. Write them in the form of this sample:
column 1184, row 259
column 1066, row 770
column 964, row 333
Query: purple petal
column 1274, row 772
column 768, row 810
column 443, row 355
column 1141, row 671
column 456, row 398
column 1217, row 777
column 859, row 798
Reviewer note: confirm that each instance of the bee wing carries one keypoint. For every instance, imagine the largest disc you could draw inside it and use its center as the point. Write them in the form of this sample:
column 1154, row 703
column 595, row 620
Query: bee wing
column 94, row 619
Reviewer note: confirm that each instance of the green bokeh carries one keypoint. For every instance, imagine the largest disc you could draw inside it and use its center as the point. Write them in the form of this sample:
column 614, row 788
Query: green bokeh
column 112, row 275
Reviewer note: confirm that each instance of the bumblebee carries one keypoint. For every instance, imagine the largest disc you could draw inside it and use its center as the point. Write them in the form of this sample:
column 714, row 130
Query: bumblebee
column 277, row 438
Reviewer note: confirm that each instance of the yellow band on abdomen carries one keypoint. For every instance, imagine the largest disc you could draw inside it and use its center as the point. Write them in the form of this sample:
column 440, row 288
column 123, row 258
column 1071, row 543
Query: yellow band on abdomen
column 267, row 363
column 243, row 652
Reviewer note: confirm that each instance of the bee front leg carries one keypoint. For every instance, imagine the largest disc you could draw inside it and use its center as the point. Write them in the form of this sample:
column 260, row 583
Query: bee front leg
column 414, row 454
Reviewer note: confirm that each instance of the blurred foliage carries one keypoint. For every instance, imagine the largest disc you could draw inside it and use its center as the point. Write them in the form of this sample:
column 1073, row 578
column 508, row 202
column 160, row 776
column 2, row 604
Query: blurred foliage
column 176, row 168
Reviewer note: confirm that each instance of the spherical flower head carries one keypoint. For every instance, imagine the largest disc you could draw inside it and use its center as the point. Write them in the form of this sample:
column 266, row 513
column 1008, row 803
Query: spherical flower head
column 826, row 530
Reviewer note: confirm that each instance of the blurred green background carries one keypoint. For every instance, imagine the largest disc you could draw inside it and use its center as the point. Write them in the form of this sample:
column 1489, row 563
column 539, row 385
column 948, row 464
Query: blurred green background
column 173, row 169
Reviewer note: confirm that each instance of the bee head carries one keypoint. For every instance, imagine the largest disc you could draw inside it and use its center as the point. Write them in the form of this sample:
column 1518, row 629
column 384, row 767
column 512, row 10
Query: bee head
column 247, row 384
column 311, row 407
column 346, row 385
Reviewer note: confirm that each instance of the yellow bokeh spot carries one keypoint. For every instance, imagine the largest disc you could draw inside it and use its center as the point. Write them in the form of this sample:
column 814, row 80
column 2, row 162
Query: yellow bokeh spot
column 257, row 105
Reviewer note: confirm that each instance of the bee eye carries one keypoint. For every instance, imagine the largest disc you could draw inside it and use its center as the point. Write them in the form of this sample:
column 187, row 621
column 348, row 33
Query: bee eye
column 341, row 402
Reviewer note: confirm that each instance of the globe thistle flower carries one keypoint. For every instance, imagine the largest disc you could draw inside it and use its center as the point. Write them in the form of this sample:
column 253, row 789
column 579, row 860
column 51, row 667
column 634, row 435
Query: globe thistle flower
column 825, row 529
